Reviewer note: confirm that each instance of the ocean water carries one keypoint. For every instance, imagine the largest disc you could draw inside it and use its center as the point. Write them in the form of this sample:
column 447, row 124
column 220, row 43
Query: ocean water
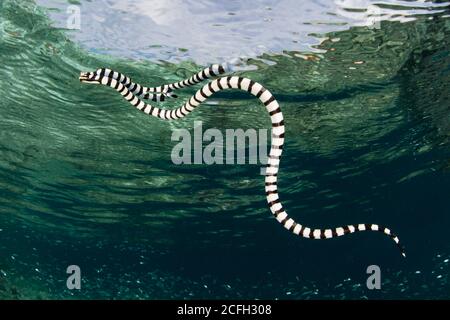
column 87, row 180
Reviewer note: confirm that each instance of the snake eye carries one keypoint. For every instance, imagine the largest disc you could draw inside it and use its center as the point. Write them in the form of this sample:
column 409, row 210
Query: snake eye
column 88, row 77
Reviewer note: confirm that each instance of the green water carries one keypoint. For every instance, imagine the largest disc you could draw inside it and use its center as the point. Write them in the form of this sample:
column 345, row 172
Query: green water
column 85, row 179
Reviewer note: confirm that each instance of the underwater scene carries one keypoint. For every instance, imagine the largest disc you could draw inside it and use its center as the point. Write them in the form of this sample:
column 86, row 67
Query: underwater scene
column 88, row 181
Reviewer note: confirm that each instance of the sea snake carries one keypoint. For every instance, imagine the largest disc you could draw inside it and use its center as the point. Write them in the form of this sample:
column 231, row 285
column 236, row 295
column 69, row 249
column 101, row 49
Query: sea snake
column 132, row 91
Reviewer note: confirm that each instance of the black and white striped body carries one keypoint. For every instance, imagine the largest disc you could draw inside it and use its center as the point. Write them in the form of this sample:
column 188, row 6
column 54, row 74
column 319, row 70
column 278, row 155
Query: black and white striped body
column 159, row 93
column 277, row 141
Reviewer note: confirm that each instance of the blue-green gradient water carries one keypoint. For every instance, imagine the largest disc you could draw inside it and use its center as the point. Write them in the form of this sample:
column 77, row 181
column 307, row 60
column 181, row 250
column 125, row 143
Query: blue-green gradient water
column 86, row 179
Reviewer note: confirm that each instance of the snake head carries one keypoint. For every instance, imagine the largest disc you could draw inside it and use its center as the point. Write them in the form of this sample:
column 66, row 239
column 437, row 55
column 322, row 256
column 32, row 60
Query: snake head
column 90, row 77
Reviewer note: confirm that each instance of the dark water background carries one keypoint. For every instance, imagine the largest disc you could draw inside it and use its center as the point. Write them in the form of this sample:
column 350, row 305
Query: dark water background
column 85, row 179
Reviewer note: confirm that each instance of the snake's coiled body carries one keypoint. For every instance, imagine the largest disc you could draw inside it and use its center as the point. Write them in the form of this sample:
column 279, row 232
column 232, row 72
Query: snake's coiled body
column 132, row 91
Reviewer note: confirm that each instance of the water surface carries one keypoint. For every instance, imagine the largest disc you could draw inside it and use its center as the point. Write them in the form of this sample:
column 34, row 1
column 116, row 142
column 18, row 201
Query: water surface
column 85, row 179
